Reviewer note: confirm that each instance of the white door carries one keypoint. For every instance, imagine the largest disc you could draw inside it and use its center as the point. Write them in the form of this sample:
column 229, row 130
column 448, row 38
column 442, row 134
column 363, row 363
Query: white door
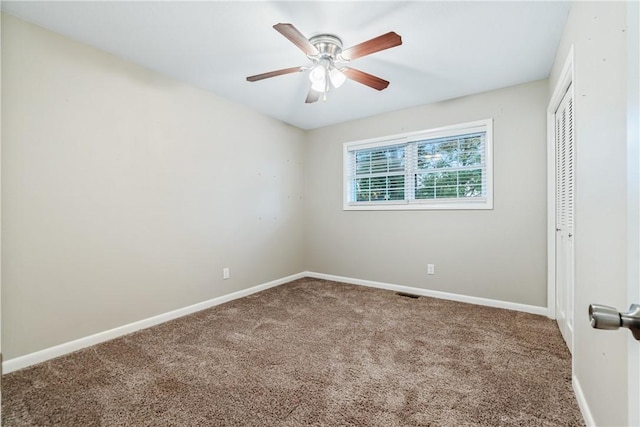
column 564, row 156
column 633, row 205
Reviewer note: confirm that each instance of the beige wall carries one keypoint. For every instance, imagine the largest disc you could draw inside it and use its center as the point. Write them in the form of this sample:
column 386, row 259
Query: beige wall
column 497, row 254
column 597, row 32
column 125, row 193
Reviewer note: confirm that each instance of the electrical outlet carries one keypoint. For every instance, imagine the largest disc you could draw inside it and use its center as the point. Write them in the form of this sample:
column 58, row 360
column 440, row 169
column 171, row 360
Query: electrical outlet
column 431, row 269
column 225, row 273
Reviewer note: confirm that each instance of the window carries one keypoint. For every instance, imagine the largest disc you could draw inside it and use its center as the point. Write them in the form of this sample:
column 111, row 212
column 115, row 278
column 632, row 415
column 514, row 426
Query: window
column 445, row 168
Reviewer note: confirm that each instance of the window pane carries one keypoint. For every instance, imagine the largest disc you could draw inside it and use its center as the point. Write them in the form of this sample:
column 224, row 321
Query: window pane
column 363, row 164
column 438, row 154
column 447, row 192
column 425, row 186
column 382, row 160
column 471, row 151
column 378, row 188
column 396, row 162
column 362, row 189
column 470, row 183
column 447, row 178
column 450, row 184
column 450, row 152
column 428, row 156
column 426, row 193
column 396, row 187
column 378, row 161
column 396, row 195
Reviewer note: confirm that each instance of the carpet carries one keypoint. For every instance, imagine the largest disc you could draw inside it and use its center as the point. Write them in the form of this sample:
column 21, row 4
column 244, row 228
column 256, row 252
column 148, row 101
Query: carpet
column 311, row 352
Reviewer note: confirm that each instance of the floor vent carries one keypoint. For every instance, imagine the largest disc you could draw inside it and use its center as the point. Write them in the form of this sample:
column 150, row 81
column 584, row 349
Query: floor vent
column 404, row 294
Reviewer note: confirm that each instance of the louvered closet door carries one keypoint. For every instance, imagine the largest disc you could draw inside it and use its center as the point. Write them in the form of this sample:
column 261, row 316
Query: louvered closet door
column 565, row 186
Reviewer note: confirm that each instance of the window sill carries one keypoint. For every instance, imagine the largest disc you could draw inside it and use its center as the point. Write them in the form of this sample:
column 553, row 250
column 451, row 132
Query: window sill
column 390, row 206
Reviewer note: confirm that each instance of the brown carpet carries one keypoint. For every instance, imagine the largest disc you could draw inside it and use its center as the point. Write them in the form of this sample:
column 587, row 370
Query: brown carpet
column 311, row 352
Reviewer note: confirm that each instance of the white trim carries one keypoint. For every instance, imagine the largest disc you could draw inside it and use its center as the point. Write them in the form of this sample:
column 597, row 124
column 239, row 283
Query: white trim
column 564, row 81
column 69, row 347
column 401, row 138
column 435, row 294
column 582, row 402
column 551, row 216
column 482, row 204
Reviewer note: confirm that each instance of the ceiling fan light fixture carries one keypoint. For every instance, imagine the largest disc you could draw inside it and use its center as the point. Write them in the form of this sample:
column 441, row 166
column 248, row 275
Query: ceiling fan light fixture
column 325, row 72
column 318, row 77
column 337, row 77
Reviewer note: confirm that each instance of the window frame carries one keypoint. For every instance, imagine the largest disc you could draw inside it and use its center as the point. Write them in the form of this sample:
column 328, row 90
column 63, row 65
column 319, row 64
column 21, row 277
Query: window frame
column 484, row 203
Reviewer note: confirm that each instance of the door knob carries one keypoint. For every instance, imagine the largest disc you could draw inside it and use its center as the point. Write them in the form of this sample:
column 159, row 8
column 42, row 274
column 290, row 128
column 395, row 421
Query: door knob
column 603, row 317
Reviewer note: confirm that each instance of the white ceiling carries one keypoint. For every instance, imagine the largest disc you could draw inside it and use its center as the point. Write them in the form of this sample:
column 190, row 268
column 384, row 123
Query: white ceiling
column 450, row 49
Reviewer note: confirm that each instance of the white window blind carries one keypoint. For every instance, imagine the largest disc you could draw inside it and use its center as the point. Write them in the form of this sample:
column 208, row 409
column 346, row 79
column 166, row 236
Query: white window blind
column 446, row 168
column 379, row 174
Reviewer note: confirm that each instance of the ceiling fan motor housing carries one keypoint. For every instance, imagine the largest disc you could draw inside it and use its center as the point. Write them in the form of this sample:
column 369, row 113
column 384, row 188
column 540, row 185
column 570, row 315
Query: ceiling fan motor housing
column 328, row 45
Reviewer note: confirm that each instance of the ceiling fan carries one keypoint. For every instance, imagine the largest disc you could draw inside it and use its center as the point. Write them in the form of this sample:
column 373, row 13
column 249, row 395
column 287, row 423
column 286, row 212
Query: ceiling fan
column 325, row 52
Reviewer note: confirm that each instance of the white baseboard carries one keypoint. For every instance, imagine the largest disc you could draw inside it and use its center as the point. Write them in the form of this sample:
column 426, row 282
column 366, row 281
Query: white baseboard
column 435, row 294
column 69, row 347
column 582, row 402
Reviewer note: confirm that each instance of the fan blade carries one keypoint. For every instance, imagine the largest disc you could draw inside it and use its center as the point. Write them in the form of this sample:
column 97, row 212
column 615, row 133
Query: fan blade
column 312, row 96
column 365, row 78
column 385, row 41
column 274, row 73
column 297, row 38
